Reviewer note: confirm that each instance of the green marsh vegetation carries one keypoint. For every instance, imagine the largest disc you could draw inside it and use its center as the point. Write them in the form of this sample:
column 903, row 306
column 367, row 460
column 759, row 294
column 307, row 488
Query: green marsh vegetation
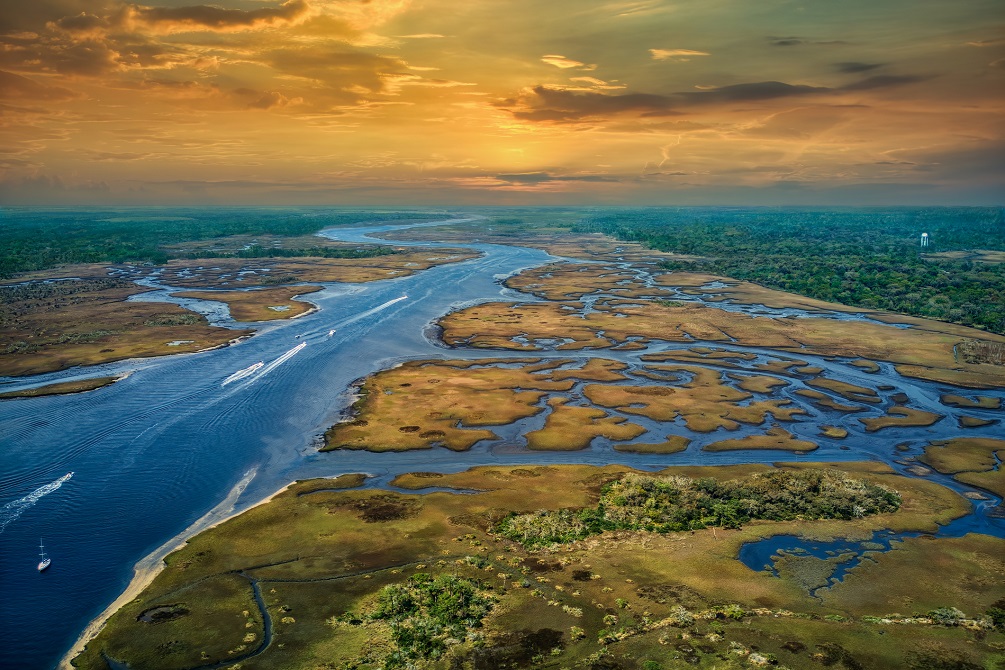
column 679, row 503
column 426, row 615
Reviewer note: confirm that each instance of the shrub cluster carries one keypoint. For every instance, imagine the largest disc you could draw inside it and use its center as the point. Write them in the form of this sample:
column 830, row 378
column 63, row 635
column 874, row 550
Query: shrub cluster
column 676, row 503
column 427, row 614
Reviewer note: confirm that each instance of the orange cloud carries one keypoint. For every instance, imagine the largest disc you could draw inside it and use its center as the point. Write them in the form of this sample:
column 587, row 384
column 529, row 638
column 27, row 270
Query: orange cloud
column 205, row 17
column 565, row 63
column 679, row 55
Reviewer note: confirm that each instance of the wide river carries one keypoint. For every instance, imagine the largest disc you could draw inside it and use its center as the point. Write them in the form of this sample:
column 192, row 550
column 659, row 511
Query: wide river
column 170, row 449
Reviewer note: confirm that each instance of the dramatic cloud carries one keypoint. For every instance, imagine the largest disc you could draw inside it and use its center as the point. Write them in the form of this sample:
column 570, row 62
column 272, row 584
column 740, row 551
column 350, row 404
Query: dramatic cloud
column 394, row 100
column 548, row 104
column 82, row 24
column 165, row 20
column 545, row 103
column 205, row 17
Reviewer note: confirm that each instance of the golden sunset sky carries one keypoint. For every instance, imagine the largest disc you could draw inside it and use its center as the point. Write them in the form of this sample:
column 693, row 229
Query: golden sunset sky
column 437, row 102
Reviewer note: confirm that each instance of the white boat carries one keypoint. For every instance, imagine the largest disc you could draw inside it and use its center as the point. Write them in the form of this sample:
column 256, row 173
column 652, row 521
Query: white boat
column 331, row 332
column 44, row 563
column 241, row 374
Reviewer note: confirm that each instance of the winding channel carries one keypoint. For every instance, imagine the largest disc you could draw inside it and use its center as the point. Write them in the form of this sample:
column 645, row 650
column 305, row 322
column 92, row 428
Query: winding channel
column 154, row 454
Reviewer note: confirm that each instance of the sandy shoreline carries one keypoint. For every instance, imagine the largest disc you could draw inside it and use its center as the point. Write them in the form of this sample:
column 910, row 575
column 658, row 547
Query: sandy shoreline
column 151, row 565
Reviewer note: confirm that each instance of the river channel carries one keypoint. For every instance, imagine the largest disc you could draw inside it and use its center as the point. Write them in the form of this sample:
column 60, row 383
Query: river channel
column 169, row 449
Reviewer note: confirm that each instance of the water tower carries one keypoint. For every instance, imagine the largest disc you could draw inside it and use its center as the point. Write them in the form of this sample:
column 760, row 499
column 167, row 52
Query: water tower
column 924, row 240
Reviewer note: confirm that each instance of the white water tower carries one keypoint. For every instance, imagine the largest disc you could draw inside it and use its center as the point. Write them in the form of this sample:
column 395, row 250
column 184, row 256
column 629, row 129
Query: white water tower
column 924, row 240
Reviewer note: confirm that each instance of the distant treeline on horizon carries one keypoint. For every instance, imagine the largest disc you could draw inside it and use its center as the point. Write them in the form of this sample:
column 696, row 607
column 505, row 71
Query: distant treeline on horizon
column 867, row 257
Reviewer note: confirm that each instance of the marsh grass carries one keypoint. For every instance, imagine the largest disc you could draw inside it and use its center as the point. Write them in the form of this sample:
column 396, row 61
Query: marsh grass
column 673, row 444
column 901, row 416
column 774, row 438
column 971, row 460
column 257, row 305
column 926, row 349
column 93, row 323
column 325, row 559
column 978, row 402
column 62, row 387
column 569, row 428
column 442, row 403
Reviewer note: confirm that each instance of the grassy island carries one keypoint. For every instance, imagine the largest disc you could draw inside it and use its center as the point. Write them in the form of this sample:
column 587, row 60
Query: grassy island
column 630, row 568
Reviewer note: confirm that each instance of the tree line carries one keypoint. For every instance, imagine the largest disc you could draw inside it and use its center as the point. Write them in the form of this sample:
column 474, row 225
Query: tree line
column 32, row 239
column 868, row 258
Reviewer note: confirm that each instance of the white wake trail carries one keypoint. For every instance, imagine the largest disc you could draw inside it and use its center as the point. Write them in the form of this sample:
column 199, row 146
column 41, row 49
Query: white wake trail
column 279, row 361
column 376, row 309
column 12, row 510
column 241, row 374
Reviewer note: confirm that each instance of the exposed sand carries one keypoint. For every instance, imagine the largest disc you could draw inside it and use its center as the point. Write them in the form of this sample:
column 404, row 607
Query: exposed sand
column 151, row 565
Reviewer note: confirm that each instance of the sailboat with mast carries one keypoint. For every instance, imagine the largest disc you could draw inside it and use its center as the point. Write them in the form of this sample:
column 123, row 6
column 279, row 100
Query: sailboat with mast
column 44, row 563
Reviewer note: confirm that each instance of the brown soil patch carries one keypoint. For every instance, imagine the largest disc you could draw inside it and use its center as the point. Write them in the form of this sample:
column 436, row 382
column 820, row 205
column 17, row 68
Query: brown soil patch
column 381, row 507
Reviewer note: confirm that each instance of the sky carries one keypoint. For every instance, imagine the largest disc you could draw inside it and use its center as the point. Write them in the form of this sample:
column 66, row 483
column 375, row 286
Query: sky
column 502, row 102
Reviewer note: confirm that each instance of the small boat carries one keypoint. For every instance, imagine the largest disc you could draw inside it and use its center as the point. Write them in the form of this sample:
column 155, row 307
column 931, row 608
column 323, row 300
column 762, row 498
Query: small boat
column 44, row 563
column 241, row 374
column 331, row 332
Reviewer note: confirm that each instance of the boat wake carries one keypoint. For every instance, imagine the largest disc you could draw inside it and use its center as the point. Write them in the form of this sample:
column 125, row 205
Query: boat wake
column 241, row 374
column 253, row 373
column 12, row 510
column 282, row 359
column 376, row 309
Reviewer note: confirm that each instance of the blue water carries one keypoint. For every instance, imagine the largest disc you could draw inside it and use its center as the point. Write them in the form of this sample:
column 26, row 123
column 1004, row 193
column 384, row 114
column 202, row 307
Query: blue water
column 155, row 452
column 761, row 554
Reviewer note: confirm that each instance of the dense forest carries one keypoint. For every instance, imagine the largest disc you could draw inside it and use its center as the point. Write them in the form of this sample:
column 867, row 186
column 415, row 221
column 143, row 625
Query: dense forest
column 666, row 504
column 38, row 239
column 864, row 257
